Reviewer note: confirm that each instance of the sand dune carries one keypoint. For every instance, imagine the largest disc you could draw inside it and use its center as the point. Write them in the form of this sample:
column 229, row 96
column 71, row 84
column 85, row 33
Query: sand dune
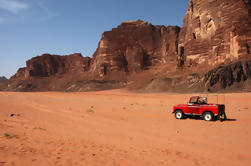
column 119, row 128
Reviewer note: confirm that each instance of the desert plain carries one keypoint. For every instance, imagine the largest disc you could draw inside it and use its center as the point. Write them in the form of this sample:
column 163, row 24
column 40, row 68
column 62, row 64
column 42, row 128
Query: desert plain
column 119, row 128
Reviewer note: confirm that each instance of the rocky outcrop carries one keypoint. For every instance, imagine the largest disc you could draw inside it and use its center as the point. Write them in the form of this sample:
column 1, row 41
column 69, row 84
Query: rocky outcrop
column 3, row 79
column 215, row 32
column 234, row 77
column 50, row 65
column 226, row 76
column 133, row 46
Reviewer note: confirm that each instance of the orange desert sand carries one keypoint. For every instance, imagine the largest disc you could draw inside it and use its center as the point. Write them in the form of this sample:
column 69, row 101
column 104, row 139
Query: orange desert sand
column 119, row 128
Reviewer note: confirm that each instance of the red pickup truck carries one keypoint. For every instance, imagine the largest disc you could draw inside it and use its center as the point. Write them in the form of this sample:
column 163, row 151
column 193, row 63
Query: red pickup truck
column 198, row 106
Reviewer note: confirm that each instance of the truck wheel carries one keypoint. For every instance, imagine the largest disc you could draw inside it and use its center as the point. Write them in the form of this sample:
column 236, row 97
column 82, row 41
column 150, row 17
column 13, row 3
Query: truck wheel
column 208, row 116
column 179, row 114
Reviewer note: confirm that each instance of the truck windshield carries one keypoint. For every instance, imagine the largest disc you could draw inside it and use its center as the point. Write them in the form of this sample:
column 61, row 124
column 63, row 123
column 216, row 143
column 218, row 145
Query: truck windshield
column 194, row 100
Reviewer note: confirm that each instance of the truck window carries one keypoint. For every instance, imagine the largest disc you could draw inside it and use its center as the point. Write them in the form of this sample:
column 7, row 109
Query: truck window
column 194, row 100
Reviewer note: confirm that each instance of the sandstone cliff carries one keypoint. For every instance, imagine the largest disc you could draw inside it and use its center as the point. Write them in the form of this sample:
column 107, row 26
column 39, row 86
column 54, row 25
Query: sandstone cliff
column 215, row 32
column 51, row 65
column 3, row 79
column 133, row 46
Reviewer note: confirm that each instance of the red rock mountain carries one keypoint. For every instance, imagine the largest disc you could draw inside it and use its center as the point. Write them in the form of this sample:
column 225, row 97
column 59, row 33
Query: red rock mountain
column 51, row 65
column 133, row 46
column 214, row 32
column 3, row 79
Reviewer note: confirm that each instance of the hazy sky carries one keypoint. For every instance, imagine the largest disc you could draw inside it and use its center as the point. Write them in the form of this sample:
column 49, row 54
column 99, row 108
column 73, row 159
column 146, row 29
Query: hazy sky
column 32, row 27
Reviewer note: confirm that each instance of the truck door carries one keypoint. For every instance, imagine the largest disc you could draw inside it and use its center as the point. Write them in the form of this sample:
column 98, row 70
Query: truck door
column 194, row 109
column 193, row 105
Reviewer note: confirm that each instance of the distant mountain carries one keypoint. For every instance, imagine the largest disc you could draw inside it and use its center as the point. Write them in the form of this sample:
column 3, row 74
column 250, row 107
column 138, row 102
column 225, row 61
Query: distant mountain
column 3, row 79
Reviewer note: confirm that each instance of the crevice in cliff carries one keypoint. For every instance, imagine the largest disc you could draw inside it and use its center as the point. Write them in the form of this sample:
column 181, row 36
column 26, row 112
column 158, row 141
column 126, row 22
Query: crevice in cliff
column 192, row 6
column 194, row 36
column 105, row 69
column 146, row 61
column 125, row 64
column 198, row 21
column 248, row 49
column 177, row 47
column 247, row 3
column 181, row 57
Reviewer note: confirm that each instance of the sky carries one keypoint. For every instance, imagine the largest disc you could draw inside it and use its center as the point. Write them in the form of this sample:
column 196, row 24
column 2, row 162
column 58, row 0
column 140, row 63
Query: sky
column 29, row 28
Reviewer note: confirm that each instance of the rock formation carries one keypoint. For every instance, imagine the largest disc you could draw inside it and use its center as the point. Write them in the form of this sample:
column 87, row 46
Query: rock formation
column 133, row 46
column 215, row 32
column 50, row 65
column 3, row 79
column 226, row 76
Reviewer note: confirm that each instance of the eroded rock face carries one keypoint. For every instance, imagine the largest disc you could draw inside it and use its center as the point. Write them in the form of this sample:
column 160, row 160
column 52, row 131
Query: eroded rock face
column 49, row 65
column 215, row 32
column 134, row 45
column 3, row 79
column 226, row 76
column 234, row 77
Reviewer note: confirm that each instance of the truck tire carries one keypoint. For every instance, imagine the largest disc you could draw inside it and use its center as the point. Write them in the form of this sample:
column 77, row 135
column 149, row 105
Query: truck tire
column 208, row 116
column 179, row 114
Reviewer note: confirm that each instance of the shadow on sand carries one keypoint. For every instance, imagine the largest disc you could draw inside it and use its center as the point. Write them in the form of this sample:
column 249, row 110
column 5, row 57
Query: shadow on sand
column 228, row 119
column 221, row 119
